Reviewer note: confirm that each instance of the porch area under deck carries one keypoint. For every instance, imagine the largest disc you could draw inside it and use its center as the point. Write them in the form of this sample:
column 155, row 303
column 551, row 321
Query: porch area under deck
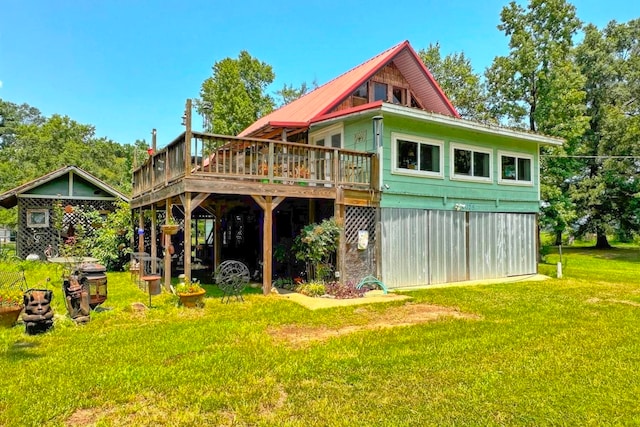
column 206, row 171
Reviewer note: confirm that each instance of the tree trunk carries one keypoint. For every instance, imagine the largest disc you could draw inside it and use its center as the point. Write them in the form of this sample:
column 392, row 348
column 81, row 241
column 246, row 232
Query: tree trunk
column 602, row 242
column 558, row 238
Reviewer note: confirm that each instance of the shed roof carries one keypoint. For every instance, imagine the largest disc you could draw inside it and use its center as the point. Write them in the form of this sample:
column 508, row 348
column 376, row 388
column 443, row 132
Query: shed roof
column 9, row 198
column 319, row 102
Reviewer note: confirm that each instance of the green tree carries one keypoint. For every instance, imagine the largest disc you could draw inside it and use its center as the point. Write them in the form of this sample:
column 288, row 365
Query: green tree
column 290, row 93
column 608, row 190
column 538, row 87
column 462, row 86
column 234, row 96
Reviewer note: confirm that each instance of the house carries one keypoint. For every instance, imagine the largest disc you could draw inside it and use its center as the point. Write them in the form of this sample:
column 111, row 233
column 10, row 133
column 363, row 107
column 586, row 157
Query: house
column 69, row 185
column 424, row 196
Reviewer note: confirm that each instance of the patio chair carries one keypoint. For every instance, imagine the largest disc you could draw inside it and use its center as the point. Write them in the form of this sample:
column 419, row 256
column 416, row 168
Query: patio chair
column 232, row 277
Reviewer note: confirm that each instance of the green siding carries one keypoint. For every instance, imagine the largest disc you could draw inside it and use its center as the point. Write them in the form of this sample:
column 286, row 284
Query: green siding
column 60, row 186
column 444, row 193
column 54, row 187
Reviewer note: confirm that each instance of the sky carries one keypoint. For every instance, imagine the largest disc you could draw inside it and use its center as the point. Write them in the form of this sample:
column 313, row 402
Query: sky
column 128, row 66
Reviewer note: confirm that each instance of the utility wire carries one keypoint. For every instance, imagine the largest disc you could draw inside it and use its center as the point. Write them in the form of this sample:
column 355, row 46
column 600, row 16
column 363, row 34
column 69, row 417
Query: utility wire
column 590, row 157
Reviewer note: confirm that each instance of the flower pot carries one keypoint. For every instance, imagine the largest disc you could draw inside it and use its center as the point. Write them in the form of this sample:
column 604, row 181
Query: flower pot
column 192, row 300
column 9, row 315
column 170, row 228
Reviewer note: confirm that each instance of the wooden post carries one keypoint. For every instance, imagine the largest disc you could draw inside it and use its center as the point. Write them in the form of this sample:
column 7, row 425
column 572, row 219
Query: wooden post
column 187, row 139
column 218, row 236
column 338, row 213
column 267, row 246
column 141, row 227
column 153, row 236
column 187, row 235
column 167, row 255
column 268, row 204
column 153, row 161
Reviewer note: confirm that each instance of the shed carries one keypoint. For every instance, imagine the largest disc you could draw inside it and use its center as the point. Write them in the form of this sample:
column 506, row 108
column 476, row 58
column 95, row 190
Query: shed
column 35, row 200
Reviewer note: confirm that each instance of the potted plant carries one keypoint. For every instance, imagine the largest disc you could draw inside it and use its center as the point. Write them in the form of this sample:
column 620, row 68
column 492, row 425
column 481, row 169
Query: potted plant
column 11, row 304
column 170, row 227
column 190, row 292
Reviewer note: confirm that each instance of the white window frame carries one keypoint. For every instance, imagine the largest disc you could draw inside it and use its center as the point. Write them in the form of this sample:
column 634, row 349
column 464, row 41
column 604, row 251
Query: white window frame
column 473, row 148
column 516, row 156
column 327, row 133
column 396, row 170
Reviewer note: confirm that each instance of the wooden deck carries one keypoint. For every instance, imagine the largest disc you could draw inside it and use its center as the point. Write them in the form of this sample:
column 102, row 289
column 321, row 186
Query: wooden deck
column 231, row 165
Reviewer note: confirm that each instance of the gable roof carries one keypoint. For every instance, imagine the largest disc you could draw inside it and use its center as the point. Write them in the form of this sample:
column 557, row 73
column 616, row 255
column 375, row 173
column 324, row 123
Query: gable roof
column 319, row 102
column 9, row 198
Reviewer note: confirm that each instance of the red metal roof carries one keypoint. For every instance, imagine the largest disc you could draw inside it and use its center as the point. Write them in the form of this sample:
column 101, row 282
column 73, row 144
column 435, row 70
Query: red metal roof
column 320, row 101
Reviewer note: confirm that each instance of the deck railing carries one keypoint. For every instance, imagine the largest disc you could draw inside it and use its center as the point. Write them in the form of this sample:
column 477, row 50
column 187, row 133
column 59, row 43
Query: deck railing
column 258, row 160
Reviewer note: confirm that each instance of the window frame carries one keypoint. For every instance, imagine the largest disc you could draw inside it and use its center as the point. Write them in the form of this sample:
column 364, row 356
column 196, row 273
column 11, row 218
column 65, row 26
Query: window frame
column 397, row 170
column 516, row 156
column 326, row 134
column 473, row 149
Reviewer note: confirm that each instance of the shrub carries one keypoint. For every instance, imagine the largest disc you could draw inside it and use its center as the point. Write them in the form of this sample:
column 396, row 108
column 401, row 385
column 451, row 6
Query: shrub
column 312, row 289
column 345, row 290
column 315, row 245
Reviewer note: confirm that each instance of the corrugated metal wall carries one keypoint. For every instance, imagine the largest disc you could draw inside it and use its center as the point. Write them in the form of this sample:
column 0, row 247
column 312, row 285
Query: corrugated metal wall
column 422, row 247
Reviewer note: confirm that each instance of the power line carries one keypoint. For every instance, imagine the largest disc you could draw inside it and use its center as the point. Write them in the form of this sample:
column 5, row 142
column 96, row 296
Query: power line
column 590, row 157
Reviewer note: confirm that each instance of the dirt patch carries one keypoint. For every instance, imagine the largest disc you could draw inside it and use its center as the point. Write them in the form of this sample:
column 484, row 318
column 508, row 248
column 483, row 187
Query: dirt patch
column 405, row 315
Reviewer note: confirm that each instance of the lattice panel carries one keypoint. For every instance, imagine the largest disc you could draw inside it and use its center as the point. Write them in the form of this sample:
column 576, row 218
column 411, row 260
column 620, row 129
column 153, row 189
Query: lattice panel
column 359, row 218
column 34, row 237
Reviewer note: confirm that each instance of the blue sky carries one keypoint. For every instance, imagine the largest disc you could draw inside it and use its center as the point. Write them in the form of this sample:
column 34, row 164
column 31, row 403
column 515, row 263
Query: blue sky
column 127, row 66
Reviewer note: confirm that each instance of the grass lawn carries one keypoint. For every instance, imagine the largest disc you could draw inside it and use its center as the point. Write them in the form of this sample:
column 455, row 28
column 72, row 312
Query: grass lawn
column 558, row 352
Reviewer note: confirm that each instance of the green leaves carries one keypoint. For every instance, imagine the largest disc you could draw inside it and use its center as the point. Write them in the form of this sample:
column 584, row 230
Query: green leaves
column 234, row 96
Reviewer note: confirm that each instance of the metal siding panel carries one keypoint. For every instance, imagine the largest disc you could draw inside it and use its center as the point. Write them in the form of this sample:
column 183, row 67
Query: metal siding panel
column 404, row 245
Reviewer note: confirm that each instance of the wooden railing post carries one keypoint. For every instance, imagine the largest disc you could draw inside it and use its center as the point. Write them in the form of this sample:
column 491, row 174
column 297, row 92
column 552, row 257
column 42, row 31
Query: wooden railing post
column 271, row 159
column 187, row 139
column 336, row 167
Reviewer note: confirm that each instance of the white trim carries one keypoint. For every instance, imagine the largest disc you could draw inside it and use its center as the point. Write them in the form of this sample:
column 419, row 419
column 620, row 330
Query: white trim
column 328, row 131
column 48, row 196
column 517, row 156
column 395, row 170
column 468, row 124
column 473, row 148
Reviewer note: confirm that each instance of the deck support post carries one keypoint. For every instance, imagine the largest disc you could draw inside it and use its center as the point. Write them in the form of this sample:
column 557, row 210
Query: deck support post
column 338, row 214
column 187, row 235
column 268, row 204
column 167, row 252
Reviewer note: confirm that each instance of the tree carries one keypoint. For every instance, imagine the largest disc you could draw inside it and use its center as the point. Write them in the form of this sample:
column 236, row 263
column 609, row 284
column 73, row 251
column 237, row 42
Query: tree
column 462, row 86
column 290, row 93
column 234, row 96
column 608, row 192
column 538, row 87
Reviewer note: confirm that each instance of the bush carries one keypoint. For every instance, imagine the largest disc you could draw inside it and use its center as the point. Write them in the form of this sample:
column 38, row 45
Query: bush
column 345, row 290
column 312, row 289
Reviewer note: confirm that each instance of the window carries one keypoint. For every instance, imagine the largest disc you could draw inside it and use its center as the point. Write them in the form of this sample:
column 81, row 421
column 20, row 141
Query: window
column 418, row 156
column 38, row 218
column 471, row 163
column 515, row 168
column 362, row 91
column 361, row 95
column 398, row 95
column 379, row 91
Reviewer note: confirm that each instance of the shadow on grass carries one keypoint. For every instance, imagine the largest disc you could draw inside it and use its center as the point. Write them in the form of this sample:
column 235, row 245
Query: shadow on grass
column 20, row 351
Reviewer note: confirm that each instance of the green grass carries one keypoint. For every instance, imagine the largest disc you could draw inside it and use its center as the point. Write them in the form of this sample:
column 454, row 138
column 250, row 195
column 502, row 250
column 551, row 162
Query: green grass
column 559, row 352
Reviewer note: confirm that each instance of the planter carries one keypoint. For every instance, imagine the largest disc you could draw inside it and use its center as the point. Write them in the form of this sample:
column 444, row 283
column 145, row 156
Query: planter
column 192, row 300
column 9, row 315
column 170, row 228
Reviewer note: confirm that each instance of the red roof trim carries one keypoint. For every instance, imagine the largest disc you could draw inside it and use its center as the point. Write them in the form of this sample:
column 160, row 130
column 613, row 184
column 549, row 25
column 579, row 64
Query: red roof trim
column 339, row 113
column 288, row 124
